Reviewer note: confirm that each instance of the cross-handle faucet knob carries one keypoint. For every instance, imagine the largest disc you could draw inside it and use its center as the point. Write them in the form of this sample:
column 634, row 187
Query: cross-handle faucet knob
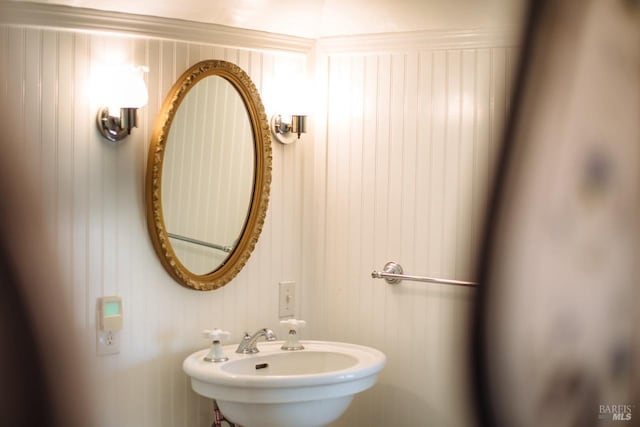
column 216, row 354
column 292, row 342
column 294, row 323
column 216, row 334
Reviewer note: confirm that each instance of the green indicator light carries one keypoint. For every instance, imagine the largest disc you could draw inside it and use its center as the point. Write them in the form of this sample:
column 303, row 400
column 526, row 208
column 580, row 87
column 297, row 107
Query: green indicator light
column 112, row 308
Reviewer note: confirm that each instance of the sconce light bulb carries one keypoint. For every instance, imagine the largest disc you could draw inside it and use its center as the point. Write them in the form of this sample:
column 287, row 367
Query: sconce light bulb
column 125, row 92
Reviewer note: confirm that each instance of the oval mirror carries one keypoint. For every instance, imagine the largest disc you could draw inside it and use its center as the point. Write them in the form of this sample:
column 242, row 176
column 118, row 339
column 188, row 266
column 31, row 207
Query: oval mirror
column 208, row 175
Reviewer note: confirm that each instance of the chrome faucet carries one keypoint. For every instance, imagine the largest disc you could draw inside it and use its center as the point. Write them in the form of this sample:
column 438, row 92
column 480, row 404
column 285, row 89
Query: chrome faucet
column 248, row 343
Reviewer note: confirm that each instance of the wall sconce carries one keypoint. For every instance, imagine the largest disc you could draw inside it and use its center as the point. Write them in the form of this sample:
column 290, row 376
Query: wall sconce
column 125, row 92
column 285, row 131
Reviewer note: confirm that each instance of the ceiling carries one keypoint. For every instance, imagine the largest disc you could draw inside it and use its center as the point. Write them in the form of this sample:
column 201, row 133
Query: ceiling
column 324, row 18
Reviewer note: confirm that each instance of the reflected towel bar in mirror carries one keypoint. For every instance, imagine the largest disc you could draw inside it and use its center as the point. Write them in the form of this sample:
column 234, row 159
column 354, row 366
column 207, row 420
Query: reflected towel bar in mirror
column 201, row 243
column 393, row 275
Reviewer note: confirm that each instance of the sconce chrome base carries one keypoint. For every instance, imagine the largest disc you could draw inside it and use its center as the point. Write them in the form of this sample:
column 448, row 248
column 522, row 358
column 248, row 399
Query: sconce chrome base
column 116, row 129
column 286, row 133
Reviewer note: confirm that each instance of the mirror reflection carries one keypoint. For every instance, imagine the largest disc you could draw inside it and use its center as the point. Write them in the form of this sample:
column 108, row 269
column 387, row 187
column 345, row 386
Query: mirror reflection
column 208, row 174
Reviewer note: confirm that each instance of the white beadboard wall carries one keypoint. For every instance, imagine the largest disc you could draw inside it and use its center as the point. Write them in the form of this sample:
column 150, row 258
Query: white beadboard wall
column 405, row 134
column 94, row 194
column 402, row 171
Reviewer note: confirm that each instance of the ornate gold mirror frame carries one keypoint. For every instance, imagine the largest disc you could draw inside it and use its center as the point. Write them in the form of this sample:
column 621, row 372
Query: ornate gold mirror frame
column 262, row 180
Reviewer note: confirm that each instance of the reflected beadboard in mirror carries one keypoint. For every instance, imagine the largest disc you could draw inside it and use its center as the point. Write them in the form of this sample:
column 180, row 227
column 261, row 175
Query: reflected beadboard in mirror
column 208, row 175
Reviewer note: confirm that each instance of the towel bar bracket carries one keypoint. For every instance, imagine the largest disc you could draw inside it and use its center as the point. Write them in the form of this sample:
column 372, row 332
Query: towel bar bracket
column 390, row 268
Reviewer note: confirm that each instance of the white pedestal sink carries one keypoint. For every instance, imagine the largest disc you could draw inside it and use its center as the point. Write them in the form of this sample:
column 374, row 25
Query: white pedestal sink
column 278, row 388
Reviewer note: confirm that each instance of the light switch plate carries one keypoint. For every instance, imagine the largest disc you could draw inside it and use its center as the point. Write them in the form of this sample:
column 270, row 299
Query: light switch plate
column 287, row 298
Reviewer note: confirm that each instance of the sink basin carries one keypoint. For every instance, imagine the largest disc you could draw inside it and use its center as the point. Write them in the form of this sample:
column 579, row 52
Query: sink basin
column 278, row 388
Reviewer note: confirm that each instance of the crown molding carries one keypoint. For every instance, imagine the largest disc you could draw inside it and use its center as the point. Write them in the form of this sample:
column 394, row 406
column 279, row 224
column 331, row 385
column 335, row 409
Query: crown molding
column 419, row 40
column 19, row 13
column 91, row 20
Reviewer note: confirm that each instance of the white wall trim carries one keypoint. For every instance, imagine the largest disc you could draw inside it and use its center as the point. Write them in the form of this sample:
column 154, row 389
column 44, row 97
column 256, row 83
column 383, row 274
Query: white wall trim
column 91, row 20
column 419, row 40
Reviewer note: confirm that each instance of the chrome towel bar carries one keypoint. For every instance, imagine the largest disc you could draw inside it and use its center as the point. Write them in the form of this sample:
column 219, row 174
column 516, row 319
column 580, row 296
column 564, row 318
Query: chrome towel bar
column 393, row 275
column 222, row 248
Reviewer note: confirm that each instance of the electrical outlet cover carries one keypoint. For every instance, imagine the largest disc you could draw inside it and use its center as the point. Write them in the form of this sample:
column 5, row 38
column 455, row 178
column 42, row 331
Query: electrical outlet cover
column 107, row 342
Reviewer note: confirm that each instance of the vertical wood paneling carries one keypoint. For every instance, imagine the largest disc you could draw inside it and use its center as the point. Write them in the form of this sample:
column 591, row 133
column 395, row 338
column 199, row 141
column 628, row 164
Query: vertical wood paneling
column 411, row 140
column 465, row 219
column 315, row 203
column 94, row 200
column 372, row 311
column 398, row 169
